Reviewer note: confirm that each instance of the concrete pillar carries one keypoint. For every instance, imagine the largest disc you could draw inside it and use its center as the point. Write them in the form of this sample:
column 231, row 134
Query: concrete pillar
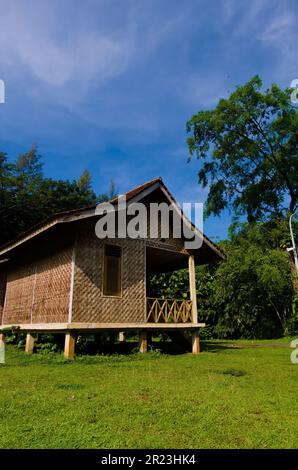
column 69, row 347
column 143, row 342
column 30, row 340
column 196, row 342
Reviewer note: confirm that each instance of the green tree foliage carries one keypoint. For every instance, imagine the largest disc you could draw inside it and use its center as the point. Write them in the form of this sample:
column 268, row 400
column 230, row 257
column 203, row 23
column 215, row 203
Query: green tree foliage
column 250, row 295
column 170, row 285
column 253, row 295
column 27, row 197
column 84, row 182
column 248, row 149
column 248, row 146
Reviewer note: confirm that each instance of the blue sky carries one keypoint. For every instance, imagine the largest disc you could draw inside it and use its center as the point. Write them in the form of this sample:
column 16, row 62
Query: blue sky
column 109, row 85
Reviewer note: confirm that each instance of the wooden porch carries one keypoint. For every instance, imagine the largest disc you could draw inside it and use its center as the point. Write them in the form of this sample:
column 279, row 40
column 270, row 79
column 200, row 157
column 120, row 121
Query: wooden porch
column 169, row 311
column 164, row 310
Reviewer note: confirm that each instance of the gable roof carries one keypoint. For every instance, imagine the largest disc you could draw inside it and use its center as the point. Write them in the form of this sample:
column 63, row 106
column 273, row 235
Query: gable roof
column 134, row 195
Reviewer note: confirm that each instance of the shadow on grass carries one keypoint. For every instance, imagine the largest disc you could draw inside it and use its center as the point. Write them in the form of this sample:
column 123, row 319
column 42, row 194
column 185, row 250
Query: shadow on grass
column 173, row 347
column 216, row 346
column 162, row 346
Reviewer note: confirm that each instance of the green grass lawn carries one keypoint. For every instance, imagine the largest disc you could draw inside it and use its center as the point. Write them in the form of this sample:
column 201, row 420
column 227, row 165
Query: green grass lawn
column 239, row 394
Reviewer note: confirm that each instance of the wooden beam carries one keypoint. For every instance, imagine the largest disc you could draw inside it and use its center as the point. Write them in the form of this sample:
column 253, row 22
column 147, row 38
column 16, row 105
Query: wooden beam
column 79, row 326
column 196, row 342
column 192, row 287
column 69, row 347
column 2, row 337
column 143, row 344
column 30, row 340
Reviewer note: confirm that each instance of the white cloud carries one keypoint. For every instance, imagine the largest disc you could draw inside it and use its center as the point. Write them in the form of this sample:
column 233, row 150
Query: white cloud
column 278, row 28
column 272, row 26
column 28, row 39
column 141, row 66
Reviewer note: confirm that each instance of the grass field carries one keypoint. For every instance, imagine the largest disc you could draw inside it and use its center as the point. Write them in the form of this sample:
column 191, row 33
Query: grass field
column 234, row 395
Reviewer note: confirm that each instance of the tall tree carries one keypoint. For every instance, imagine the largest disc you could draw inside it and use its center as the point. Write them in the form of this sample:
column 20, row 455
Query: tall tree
column 248, row 146
column 84, row 181
column 29, row 164
column 27, row 197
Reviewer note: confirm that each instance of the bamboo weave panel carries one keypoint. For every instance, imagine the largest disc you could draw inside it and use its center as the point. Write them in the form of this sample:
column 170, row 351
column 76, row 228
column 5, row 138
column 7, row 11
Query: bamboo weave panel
column 89, row 304
column 3, row 277
column 19, row 295
column 39, row 292
column 52, row 286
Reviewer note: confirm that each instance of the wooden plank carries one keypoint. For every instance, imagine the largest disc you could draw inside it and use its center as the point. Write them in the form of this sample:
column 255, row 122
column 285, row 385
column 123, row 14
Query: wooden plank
column 143, row 342
column 30, row 340
column 192, row 287
column 62, row 327
column 69, row 347
column 196, row 343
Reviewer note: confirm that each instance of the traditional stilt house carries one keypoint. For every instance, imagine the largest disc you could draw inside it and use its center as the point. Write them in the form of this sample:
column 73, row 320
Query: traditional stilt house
column 60, row 277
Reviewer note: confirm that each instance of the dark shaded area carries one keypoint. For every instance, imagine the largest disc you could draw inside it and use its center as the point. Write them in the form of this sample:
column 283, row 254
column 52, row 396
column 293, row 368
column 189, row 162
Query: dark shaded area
column 215, row 346
column 233, row 372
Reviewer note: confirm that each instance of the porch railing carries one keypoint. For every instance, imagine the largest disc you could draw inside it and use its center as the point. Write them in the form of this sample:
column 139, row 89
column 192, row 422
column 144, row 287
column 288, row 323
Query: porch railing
column 168, row 311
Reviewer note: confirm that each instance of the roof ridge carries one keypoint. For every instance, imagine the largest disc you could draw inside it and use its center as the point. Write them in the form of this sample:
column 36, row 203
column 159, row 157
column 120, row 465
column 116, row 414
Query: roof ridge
column 56, row 215
column 139, row 187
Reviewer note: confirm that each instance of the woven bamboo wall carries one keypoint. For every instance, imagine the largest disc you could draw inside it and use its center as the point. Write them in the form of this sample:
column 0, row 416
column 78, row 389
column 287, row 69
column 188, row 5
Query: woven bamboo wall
column 170, row 244
column 164, row 239
column 89, row 303
column 18, row 298
column 39, row 291
column 52, row 287
column 2, row 291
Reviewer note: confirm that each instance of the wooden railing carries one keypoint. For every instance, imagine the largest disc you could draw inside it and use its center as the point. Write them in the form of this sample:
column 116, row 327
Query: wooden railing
column 168, row 311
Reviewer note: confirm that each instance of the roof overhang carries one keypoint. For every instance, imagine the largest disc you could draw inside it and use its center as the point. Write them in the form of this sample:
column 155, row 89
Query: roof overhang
column 133, row 196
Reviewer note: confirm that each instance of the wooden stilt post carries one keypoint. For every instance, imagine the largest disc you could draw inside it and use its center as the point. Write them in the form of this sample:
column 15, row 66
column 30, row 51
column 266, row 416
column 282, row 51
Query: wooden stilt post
column 193, row 297
column 30, row 340
column 69, row 348
column 143, row 344
column 2, row 348
column 192, row 287
column 196, row 342
column 122, row 337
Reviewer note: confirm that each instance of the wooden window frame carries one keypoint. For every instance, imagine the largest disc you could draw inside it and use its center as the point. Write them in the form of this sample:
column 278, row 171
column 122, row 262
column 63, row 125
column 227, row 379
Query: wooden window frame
column 104, row 272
